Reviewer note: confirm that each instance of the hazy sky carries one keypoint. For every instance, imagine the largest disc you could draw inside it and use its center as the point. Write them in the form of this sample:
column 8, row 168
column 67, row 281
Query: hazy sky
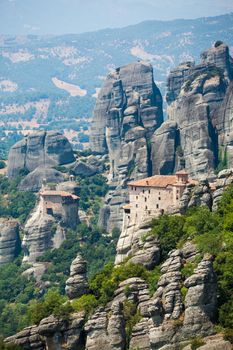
column 76, row 16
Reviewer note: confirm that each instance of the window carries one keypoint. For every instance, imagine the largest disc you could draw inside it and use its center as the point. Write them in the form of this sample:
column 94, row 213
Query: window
column 177, row 197
column 149, row 191
column 177, row 191
column 149, row 212
column 136, row 197
column 145, row 199
column 135, row 188
column 143, row 191
column 159, row 198
column 136, row 206
column 146, row 207
column 157, row 206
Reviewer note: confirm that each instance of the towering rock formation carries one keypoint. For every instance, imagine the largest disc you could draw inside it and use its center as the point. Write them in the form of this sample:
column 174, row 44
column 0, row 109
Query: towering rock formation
column 198, row 133
column 128, row 110
column 77, row 285
column 46, row 227
column 9, row 240
column 40, row 149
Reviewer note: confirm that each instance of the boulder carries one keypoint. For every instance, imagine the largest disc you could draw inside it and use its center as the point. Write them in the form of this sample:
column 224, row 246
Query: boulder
column 77, row 285
column 82, row 169
column 34, row 180
column 40, row 149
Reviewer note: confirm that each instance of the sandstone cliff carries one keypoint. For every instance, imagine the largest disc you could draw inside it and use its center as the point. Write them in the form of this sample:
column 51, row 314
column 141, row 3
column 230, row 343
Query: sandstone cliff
column 128, row 110
column 40, row 149
column 198, row 133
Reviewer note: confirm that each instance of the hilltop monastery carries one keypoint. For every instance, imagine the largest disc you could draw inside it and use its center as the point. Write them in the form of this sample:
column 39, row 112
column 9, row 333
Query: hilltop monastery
column 153, row 196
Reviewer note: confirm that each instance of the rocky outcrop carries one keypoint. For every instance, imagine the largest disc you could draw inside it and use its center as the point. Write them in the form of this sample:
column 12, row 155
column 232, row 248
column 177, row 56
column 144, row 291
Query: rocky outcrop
column 47, row 225
column 105, row 332
column 10, row 243
column 83, row 169
column 52, row 333
column 213, row 342
column 198, row 195
column 40, row 149
column 178, row 309
column 34, row 180
column 200, row 300
column 41, row 232
column 198, row 132
column 128, row 110
column 164, row 143
column 226, row 128
column 136, row 246
column 69, row 186
column 77, row 285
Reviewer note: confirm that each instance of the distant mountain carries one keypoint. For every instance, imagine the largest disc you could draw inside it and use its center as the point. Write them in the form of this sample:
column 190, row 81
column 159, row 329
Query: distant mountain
column 47, row 79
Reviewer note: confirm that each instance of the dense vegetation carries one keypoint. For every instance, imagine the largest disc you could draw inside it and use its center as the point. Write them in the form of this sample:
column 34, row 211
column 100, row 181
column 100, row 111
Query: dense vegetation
column 92, row 191
column 15, row 203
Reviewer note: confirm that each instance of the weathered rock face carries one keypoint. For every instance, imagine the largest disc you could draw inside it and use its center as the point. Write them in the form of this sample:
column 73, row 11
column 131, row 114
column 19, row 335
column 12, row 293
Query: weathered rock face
column 164, row 143
column 52, row 333
column 34, row 180
column 105, row 332
column 40, row 234
column 200, row 300
column 40, row 149
column 83, row 169
column 46, row 229
column 205, row 193
column 77, row 285
column 10, row 243
column 226, row 128
column 167, row 319
column 198, row 195
column 128, row 110
column 143, row 251
column 199, row 127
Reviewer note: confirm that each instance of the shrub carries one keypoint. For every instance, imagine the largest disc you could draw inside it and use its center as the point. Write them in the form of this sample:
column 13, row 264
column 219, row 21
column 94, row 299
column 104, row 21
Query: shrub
column 226, row 314
column 86, row 303
column 2, row 164
column 187, row 270
column 196, row 343
column 4, row 346
column 183, row 291
column 132, row 317
column 106, row 282
column 51, row 304
column 169, row 230
column 178, row 324
column 152, row 279
column 228, row 335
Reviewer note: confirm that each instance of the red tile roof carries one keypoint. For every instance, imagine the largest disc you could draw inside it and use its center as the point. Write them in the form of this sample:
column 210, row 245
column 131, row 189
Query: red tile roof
column 127, row 206
column 155, row 181
column 161, row 181
column 58, row 193
column 181, row 172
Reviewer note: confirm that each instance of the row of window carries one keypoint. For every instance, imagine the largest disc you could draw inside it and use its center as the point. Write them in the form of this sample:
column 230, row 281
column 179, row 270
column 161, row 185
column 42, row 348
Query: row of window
column 157, row 206
column 159, row 198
